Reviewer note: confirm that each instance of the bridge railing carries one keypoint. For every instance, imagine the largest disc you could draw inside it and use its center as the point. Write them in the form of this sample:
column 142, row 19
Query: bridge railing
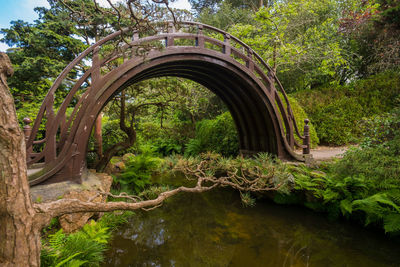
column 100, row 59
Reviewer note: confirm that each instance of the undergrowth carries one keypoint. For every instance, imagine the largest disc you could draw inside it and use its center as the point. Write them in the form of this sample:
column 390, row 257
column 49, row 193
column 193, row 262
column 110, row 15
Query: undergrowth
column 338, row 110
column 364, row 185
column 138, row 172
column 84, row 247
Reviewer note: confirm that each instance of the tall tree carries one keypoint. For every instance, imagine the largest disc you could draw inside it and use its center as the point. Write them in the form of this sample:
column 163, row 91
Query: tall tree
column 299, row 39
column 372, row 28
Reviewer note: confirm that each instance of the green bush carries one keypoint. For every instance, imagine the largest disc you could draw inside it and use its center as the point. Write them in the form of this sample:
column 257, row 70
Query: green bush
column 218, row 135
column 138, row 171
column 381, row 128
column 364, row 185
column 300, row 115
column 112, row 134
column 337, row 111
column 166, row 147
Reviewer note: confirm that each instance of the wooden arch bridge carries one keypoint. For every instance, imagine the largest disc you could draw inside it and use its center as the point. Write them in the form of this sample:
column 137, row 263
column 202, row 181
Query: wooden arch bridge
column 204, row 54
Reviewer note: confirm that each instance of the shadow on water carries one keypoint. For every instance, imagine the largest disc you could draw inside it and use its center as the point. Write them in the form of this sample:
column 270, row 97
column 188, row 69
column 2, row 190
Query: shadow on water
column 214, row 229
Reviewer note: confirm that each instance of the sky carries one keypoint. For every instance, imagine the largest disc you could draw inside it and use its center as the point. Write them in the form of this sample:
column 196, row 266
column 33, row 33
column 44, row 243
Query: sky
column 23, row 10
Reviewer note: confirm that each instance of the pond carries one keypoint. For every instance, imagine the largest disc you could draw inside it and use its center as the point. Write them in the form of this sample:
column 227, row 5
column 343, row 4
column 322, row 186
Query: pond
column 214, row 229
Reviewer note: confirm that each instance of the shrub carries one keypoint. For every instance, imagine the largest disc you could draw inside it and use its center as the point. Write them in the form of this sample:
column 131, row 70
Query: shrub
column 337, row 111
column 300, row 115
column 365, row 184
column 83, row 248
column 138, row 171
column 218, row 135
column 381, row 128
column 166, row 147
column 112, row 134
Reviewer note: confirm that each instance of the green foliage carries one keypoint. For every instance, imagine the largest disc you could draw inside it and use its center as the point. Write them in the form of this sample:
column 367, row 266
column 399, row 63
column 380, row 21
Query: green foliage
column 299, row 40
column 112, row 220
column 43, row 49
column 364, row 185
column 381, row 128
column 261, row 173
column 76, row 249
column 138, row 171
column 194, row 147
column 337, row 111
column 218, row 135
column 166, row 147
column 226, row 16
column 247, row 199
column 82, row 248
column 112, row 134
column 300, row 115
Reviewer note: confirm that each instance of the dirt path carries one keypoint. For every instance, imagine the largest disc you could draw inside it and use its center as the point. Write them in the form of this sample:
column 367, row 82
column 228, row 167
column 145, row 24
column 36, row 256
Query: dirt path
column 326, row 152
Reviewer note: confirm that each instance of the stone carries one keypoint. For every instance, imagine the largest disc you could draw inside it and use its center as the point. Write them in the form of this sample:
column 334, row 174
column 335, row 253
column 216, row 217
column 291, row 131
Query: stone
column 127, row 157
column 93, row 183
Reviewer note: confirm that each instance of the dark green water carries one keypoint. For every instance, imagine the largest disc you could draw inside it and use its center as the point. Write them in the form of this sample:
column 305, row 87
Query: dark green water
column 214, row 229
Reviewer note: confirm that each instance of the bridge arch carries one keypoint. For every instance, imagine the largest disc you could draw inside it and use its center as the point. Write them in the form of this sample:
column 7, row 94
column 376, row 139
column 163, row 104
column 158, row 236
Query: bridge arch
column 234, row 72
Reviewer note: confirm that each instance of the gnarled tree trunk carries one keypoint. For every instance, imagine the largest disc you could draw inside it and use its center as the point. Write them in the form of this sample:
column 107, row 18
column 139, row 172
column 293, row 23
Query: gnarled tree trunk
column 19, row 233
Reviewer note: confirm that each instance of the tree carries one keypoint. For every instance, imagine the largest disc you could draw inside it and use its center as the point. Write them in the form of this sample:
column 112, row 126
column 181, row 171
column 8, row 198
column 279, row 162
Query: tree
column 213, row 6
column 299, row 39
column 372, row 28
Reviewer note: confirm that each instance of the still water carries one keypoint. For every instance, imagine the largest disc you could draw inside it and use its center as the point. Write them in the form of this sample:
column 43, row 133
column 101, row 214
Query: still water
column 214, row 229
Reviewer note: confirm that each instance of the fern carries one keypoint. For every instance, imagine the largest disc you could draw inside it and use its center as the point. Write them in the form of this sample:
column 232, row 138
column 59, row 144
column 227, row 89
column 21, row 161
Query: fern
column 97, row 232
column 83, row 248
column 193, row 147
column 112, row 220
column 138, row 172
column 346, row 207
column 391, row 223
column 56, row 243
column 71, row 262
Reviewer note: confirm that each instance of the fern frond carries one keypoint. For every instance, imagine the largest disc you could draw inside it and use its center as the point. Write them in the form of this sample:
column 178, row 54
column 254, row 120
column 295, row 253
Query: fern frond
column 391, row 223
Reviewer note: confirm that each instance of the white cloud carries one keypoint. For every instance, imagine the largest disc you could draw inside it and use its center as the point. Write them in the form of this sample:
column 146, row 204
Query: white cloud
column 31, row 4
column 104, row 3
column 181, row 4
column 3, row 47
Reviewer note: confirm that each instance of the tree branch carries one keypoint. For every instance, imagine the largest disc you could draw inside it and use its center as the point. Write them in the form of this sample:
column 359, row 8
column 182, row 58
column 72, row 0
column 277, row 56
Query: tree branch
column 68, row 206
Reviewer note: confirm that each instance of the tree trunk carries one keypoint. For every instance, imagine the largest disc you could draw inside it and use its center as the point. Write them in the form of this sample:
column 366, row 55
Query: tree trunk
column 19, row 233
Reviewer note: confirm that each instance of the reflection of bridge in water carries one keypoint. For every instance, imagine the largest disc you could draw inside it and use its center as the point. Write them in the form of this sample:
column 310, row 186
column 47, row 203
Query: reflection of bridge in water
column 201, row 53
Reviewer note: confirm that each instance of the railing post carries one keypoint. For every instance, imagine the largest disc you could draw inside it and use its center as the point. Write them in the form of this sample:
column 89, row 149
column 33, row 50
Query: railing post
column 135, row 36
column 250, row 63
column 306, row 140
column 27, row 133
column 227, row 45
column 170, row 40
column 200, row 38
